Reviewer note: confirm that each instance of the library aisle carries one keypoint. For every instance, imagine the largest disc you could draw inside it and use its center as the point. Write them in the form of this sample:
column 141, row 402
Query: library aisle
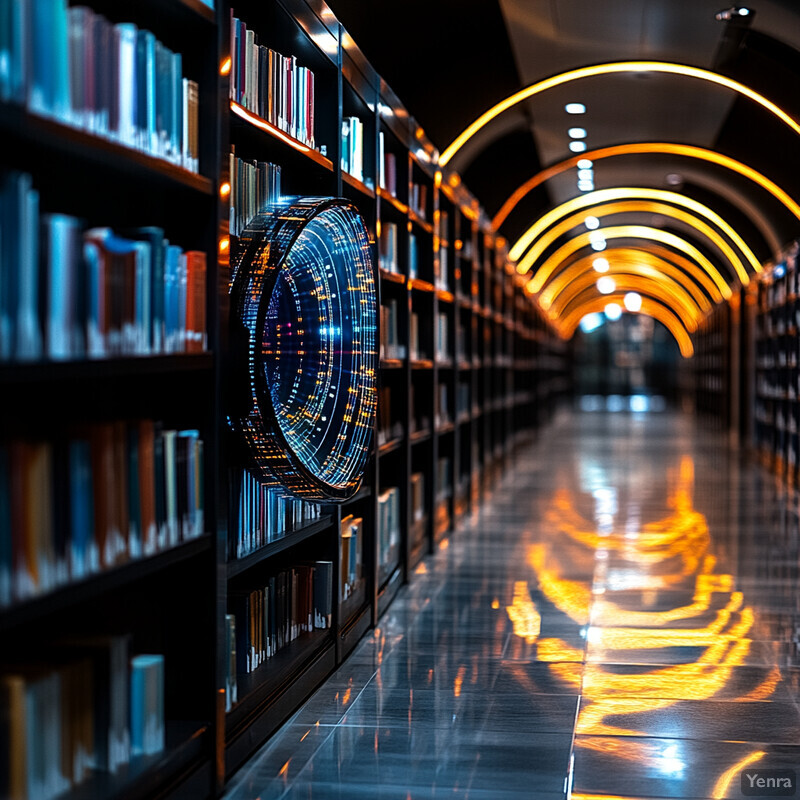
column 618, row 619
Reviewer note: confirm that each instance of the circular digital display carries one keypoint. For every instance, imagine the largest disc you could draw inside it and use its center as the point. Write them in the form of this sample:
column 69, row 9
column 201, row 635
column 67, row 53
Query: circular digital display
column 304, row 307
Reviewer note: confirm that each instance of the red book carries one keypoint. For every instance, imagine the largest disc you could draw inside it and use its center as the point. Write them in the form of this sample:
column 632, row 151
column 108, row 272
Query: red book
column 195, row 301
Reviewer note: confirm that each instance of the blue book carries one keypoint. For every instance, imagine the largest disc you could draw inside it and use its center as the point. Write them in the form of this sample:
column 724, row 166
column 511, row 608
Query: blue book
column 171, row 296
column 11, row 234
column 61, row 285
column 28, row 333
column 176, row 116
column 146, row 89
column 13, row 20
column 81, row 508
column 154, row 238
column 147, row 704
column 127, row 120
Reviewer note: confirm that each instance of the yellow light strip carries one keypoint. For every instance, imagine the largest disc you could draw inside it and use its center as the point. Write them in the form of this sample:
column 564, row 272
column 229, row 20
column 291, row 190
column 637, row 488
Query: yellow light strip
column 679, row 299
column 608, row 69
column 724, row 781
column 544, row 272
column 676, row 300
column 629, row 261
column 646, row 148
column 620, row 207
column 650, row 308
column 667, row 199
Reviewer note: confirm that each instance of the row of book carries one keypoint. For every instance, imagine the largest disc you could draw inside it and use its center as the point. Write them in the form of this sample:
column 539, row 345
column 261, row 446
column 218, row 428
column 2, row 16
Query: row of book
column 98, row 497
column 441, row 338
column 389, row 428
column 114, row 81
column 415, row 352
column 93, row 712
column 418, row 200
column 417, row 528
column 420, row 414
column 231, row 686
column 442, row 413
column 387, row 167
column 351, row 548
column 353, row 147
column 391, row 346
column 254, row 186
column 295, row 601
column 387, row 247
column 270, row 85
column 264, row 514
column 68, row 292
column 388, row 530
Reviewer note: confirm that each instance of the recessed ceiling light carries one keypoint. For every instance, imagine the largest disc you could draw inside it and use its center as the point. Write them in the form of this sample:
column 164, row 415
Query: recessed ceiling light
column 673, row 179
column 586, row 186
column 585, row 175
column 577, row 133
column 599, row 244
column 731, row 13
column 613, row 311
column 575, row 108
column 601, row 264
column 584, row 163
column 577, row 147
column 596, row 236
column 592, row 223
column 633, row 301
column 606, row 284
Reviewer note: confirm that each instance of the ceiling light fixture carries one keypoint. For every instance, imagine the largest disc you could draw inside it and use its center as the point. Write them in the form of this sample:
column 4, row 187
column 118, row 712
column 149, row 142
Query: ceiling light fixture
column 601, row 265
column 633, row 301
column 607, row 69
column 586, row 185
column 606, row 285
column 575, row 108
column 592, row 223
column 584, row 163
column 585, row 175
column 613, row 311
column 577, row 147
column 733, row 12
column 577, row 133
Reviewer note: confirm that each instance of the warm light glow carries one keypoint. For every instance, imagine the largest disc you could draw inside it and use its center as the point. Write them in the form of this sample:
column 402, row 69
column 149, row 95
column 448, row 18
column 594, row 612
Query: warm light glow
column 605, row 199
column 242, row 112
column 591, row 223
column 225, row 66
column 555, row 261
column 613, row 311
column 522, row 612
column 633, row 302
column 650, row 308
column 606, row 285
column 684, row 150
column 224, row 190
column 720, row 789
column 607, row 69
column 649, row 282
column 628, row 261
column 224, row 244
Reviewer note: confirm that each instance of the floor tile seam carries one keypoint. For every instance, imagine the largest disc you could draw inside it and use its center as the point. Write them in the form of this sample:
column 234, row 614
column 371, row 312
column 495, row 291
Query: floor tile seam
column 292, row 783
column 710, row 740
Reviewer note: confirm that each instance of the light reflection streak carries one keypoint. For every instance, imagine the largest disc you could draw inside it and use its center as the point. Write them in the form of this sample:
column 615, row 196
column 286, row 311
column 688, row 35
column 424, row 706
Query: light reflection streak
column 670, row 553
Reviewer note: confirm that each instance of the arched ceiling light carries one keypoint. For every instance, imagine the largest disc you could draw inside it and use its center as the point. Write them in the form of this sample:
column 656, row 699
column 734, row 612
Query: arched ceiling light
column 554, row 262
column 668, row 291
column 626, row 193
column 638, row 148
column 544, row 241
column 628, row 262
column 660, row 67
column 650, row 308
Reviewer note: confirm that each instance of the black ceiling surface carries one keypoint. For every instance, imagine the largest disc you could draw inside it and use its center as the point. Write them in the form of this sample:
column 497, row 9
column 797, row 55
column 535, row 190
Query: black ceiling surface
column 449, row 61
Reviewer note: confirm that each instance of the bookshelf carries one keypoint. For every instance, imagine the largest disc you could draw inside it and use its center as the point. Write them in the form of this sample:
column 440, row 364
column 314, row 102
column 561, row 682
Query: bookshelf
column 468, row 369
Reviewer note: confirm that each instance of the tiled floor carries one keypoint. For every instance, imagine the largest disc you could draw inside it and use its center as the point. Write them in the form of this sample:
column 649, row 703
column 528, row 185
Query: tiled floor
column 620, row 619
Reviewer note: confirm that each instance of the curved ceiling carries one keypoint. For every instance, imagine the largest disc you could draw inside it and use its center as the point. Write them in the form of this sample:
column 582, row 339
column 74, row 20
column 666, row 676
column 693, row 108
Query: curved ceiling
column 464, row 62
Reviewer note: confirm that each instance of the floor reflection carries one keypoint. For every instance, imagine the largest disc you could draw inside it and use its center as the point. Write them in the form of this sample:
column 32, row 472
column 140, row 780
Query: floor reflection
column 620, row 619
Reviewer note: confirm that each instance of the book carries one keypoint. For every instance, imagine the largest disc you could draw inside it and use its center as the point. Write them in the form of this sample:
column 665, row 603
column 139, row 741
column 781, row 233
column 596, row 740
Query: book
column 255, row 185
column 147, row 704
column 112, row 80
